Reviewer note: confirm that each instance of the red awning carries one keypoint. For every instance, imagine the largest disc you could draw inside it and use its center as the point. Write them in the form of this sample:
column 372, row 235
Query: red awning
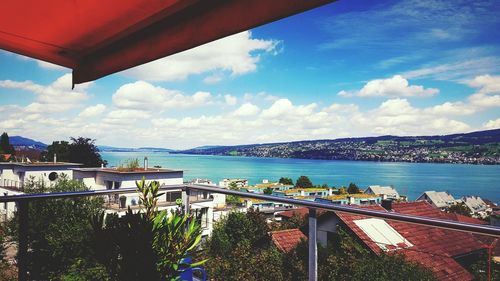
column 97, row 38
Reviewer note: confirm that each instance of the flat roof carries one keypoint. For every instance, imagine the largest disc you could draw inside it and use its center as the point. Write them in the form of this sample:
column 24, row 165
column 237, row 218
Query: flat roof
column 127, row 171
column 40, row 164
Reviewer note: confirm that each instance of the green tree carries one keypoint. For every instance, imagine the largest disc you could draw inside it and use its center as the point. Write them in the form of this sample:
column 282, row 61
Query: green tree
column 268, row 191
column 353, row 188
column 83, row 150
column 7, row 271
column 59, row 148
column 233, row 199
column 459, row 208
column 80, row 150
column 239, row 249
column 5, row 146
column 342, row 191
column 303, row 182
column 286, row 181
column 59, row 230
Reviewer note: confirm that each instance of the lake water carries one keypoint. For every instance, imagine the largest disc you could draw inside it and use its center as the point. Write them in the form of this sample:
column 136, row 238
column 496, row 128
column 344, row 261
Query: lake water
column 411, row 179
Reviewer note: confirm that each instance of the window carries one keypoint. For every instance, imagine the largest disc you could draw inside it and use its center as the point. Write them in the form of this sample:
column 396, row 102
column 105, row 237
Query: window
column 201, row 216
column 174, row 195
column 380, row 232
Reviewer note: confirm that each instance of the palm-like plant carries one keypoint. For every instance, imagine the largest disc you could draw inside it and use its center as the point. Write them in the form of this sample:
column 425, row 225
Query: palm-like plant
column 175, row 235
column 150, row 245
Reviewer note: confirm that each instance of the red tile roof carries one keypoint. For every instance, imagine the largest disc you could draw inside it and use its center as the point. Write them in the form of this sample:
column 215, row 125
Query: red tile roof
column 432, row 247
column 302, row 212
column 462, row 218
column 287, row 240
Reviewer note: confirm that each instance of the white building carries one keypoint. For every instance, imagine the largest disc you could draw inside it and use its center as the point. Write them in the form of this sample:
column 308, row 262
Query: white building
column 438, row 199
column 477, row 206
column 219, row 199
column 239, row 182
column 202, row 203
column 387, row 192
column 14, row 175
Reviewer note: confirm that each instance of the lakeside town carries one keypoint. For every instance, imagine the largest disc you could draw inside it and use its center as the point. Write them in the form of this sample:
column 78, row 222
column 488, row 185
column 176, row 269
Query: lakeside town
column 472, row 148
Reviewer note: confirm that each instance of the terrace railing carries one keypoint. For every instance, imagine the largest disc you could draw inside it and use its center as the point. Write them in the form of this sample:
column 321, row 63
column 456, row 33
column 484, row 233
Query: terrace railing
column 24, row 199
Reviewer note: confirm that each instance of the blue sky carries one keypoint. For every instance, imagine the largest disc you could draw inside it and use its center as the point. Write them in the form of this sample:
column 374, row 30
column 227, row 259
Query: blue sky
column 351, row 68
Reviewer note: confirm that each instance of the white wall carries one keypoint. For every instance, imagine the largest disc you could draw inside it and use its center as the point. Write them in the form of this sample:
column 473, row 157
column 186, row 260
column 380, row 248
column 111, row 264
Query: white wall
column 7, row 209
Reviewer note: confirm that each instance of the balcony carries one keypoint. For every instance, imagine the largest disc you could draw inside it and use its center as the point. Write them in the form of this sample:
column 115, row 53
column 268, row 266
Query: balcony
column 367, row 220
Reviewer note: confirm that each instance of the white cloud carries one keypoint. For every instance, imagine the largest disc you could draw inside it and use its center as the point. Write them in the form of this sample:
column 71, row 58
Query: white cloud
column 230, row 100
column 236, row 54
column 488, row 94
column 142, row 95
column 93, row 111
column 345, row 108
column 459, row 69
column 492, row 124
column 396, row 86
column 451, row 108
column 246, row 109
column 56, row 97
column 486, row 84
column 125, row 116
column 213, row 79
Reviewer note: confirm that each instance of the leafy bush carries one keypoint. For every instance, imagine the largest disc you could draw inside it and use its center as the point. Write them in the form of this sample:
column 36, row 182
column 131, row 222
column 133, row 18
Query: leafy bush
column 147, row 245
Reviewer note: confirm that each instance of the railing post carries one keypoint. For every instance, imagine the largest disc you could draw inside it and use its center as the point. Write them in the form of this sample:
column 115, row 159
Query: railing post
column 313, row 246
column 23, row 240
column 186, row 203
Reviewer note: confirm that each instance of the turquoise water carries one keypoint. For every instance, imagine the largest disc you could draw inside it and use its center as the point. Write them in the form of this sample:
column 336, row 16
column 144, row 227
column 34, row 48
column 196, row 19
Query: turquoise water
column 408, row 178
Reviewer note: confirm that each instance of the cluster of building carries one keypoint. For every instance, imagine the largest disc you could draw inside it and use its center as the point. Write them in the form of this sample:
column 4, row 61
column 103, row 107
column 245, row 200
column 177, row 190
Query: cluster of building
column 443, row 251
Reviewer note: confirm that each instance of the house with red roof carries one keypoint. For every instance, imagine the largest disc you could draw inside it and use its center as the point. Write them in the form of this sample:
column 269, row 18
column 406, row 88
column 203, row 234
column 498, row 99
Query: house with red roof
column 441, row 250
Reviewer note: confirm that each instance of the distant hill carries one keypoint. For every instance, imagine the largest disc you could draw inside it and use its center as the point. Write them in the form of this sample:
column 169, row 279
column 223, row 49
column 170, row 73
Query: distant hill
column 26, row 143
column 105, row 148
column 482, row 147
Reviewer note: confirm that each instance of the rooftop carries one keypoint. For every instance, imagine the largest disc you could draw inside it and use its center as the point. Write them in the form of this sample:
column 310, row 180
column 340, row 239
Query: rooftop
column 295, row 190
column 344, row 196
column 127, row 171
column 39, row 164
column 286, row 240
column 432, row 247
column 388, row 190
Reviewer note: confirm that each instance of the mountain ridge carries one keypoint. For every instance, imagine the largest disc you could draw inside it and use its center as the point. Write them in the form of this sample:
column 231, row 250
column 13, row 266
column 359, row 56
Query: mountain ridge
column 479, row 147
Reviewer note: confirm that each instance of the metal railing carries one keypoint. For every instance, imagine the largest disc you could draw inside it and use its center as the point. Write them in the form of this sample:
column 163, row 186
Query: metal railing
column 24, row 199
column 13, row 184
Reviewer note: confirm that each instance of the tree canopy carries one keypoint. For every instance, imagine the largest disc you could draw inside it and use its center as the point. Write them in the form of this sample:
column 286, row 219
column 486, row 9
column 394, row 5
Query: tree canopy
column 286, row 181
column 459, row 208
column 5, row 146
column 80, row 150
column 268, row 191
column 353, row 188
column 59, row 231
column 303, row 182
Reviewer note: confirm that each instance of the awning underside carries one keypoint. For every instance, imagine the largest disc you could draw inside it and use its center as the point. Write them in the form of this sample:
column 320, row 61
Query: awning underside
column 98, row 38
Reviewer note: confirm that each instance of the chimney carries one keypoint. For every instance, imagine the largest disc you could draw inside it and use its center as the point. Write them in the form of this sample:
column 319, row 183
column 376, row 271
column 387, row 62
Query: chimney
column 145, row 163
column 55, row 158
column 387, row 204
